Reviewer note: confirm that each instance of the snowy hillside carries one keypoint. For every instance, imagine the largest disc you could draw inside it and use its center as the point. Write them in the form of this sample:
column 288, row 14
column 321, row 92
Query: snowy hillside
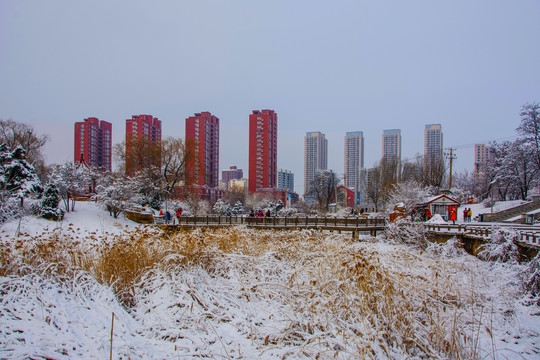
column 244, row 294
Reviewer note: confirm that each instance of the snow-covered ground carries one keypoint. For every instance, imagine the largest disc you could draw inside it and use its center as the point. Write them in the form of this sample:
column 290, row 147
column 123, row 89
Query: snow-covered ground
column 478, row 209
column 87, row 219
column 246, row 294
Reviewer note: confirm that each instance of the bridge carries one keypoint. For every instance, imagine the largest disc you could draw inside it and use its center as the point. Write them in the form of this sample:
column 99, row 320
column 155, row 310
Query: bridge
column 528, row 234
column 473, row 236
column 478, row 233
column 354, row 225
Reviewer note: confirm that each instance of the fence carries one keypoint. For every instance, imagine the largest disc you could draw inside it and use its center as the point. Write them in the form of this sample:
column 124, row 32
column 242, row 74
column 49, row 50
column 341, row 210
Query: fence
column 309, row 222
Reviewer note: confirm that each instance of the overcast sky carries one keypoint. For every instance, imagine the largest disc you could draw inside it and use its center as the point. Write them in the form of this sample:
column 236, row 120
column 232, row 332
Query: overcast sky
column 329, row 66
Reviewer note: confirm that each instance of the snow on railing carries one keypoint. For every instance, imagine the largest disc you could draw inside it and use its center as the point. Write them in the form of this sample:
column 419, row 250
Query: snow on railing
column 528, row 236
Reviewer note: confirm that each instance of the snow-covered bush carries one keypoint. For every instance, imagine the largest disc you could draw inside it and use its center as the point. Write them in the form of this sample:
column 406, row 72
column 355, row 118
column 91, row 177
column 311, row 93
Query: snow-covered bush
column 71, row 179
column 402, row 231
column 531, row 279
column 200, row 208
column 222, row 208
column 176, row 204
column 341, row 213
column 449, row 249
column 238, row 208
column 501, row 247
column 49, row 204
column 117, row 194
column 287, row 212
column 155, row 200
column 409, row 193
column 10, row 207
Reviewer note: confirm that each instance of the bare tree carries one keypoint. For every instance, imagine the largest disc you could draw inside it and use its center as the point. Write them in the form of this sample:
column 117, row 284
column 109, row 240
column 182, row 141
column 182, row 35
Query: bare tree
column 521, row 167
column 374, row 185
column 139, row 154
column 434, row 171
column 413, row 170
column 174, row 156
column 232, row 196
column 381, row 179
column 530, row 128
column 323, row 189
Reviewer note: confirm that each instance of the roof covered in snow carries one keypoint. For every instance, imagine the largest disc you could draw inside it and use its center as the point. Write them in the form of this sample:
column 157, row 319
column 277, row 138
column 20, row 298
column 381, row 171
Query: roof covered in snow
column 440, row 199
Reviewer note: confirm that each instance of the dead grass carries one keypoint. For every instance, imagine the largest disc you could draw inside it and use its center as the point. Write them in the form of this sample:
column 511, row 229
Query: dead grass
column 344, row 289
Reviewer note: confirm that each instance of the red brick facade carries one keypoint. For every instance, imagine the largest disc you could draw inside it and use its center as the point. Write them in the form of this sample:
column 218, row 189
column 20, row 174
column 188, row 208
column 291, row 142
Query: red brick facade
column 262, row 150
column 93, row 142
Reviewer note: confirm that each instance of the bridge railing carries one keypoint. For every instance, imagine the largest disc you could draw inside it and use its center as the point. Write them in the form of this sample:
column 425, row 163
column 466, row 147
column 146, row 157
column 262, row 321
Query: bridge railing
column 527, row 235
column 280, row 221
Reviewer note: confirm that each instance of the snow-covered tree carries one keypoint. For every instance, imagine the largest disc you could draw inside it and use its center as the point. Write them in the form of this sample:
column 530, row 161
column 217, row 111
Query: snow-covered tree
column 530, row 129
column 513, row 169
column 148, row 190
column 288, row 212
column 18, row 180
column 14, row 134
column 71, row 180
column 238, row 208
column 49, row 204
column 222, row 208
column 17, row 177
column 409, row 193
column 119, row 192
column 521, row 167
column 114, row 198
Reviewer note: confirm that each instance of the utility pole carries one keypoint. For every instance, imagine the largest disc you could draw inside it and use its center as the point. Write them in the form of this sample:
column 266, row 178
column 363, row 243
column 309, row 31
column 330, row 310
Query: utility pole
column 449, row 154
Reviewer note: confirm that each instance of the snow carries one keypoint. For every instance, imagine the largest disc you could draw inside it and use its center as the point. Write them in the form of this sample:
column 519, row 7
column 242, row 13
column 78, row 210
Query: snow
column 515, row 218
column 87, row 219
column 478, row 209
column 254, row 295
column 436, row 219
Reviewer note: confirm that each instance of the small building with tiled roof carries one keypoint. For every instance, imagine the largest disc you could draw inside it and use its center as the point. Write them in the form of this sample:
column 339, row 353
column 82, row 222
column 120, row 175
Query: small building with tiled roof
column 439, row 204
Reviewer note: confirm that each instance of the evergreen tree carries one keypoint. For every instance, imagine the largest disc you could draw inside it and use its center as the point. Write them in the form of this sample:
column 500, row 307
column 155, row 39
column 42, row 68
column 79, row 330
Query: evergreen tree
column 238, row 208
column 17, row 177
column 49, row 204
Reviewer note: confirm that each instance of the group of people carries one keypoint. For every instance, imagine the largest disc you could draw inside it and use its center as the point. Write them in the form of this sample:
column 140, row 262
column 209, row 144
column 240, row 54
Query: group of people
column 356, row 212
column 467, row 215
column 167, row 215
column 259, row 213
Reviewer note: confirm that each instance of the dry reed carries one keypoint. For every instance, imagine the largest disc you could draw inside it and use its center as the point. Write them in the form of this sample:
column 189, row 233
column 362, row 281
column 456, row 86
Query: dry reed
column 349, row 299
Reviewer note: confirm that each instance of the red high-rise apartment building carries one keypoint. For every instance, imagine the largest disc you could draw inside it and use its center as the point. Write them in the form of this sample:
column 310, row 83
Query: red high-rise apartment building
column 262, row 150
column 93, row 142
column 143, row 142
column 202, row 136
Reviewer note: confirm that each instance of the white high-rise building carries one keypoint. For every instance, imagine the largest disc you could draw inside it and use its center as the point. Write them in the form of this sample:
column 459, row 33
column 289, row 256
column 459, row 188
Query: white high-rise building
column 433, row 145
column 391, row 148
column 285, row 180
column 315, row 156
column 354, row 161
